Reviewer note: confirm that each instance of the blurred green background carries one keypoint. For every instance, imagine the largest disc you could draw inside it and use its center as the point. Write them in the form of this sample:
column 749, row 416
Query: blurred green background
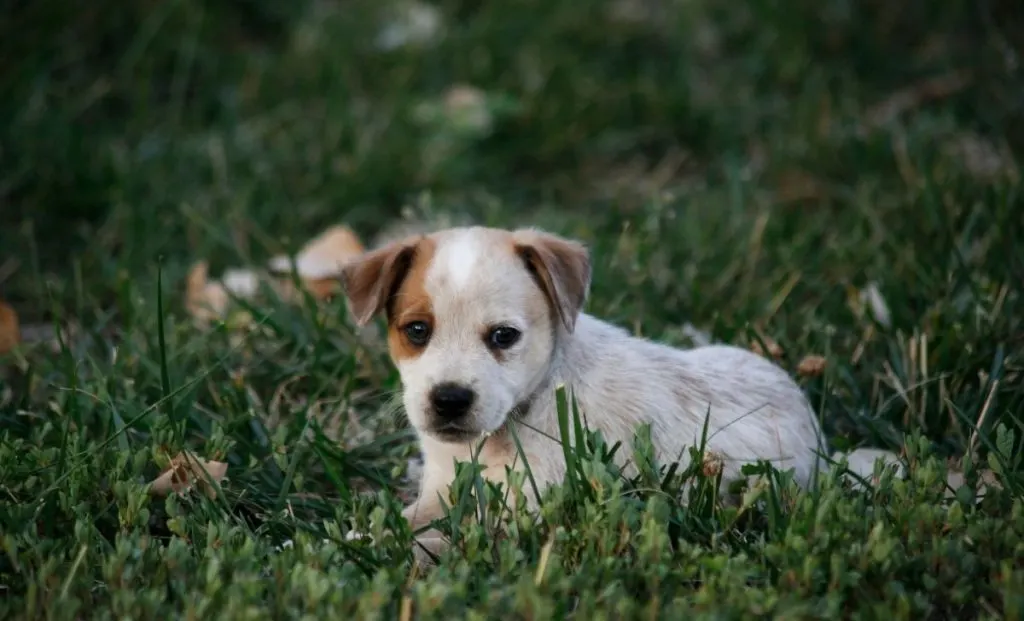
column 839, row 177
column 128, row 127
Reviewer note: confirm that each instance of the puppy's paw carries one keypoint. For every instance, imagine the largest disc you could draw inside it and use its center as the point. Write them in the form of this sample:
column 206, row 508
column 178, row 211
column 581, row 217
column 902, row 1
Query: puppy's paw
column 426, row 549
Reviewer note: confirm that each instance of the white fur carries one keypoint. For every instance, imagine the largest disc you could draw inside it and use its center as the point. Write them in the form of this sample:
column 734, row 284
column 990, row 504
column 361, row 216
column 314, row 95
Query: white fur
column 755, row 410
column 456, row 260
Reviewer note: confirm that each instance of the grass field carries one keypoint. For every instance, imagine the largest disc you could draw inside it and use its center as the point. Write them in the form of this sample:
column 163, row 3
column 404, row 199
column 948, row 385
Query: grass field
column 839, row 178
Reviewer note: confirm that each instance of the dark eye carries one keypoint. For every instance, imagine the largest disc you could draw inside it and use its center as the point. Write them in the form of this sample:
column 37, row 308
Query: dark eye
column 503, row 337
column 418, row 332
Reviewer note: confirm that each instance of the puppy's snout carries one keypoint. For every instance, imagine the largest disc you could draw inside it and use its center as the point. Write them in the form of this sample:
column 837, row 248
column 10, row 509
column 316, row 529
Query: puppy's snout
column 451, row 400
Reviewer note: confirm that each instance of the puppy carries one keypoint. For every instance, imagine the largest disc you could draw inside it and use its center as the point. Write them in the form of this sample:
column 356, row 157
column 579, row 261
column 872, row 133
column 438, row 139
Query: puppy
column 484, row 324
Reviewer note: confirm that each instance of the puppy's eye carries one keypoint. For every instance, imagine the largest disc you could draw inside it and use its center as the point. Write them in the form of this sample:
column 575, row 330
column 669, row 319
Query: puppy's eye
column 503, row 337
column 418, row 332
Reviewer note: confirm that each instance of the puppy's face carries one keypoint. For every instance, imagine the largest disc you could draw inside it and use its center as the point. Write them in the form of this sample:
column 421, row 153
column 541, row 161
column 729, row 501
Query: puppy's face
column 473, row 316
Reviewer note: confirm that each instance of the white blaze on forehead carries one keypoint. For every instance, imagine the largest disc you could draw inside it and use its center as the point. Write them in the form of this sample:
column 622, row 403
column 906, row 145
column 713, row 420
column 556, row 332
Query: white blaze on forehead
column 457, row 258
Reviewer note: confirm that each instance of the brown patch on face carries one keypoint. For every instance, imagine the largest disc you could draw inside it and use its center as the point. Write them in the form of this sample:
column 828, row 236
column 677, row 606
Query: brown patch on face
column 410, row 303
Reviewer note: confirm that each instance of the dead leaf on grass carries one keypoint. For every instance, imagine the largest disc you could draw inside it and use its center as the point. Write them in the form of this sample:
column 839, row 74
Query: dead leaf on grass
column 185, row 470
column 774, row 350
column 207, row 300
column 875, row 302
column 319, row 262
column 713, row 464
column 812, row 365
column 10, row 332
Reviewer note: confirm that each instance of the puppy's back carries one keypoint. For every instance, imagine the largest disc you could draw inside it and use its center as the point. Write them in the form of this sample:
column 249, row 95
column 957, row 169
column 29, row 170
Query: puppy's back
column 757, row 410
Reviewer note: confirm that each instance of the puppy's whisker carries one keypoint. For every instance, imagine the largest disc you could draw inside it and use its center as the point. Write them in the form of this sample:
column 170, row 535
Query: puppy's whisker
column 737, row 420
column 536, row 430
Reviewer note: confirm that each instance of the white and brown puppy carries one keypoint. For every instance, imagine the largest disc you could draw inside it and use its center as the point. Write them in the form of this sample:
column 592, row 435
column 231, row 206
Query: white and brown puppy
column 484, row 323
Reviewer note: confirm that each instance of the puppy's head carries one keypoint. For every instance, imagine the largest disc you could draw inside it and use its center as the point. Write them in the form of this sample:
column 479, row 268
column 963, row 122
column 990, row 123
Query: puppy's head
column 473, row 319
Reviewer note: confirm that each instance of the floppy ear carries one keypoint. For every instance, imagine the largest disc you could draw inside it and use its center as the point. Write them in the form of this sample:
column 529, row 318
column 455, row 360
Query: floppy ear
column 562, row 269
column 370, row 280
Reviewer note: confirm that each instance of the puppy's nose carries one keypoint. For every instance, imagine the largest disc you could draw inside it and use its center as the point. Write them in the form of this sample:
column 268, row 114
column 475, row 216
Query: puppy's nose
column 451, row 400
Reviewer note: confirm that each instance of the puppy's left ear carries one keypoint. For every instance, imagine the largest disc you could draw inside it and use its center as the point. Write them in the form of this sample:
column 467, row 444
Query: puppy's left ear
column 370, row 280
column 562, row 269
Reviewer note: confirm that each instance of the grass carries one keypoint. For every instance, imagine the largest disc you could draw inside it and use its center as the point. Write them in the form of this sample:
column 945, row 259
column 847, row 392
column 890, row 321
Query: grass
column 745, row 168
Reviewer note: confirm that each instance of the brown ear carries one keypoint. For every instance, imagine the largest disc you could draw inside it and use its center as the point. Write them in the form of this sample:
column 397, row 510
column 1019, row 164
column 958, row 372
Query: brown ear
column 370, row 280
column 562, row 269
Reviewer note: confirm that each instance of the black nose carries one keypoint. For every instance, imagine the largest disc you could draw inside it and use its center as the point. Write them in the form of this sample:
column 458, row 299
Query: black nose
column 451, row 400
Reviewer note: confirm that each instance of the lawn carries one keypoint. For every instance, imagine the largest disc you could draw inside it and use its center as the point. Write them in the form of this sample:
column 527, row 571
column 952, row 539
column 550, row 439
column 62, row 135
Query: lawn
column 834, row 184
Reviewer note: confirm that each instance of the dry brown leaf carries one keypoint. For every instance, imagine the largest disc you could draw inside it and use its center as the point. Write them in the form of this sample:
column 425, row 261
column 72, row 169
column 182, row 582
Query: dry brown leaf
column 872, row 299
column 712, row 464
column 186, row 469
column 318, row 265
column 207, row 299
column 811, row 365
column 319, row 262
column 323, row 256
column 774, row 349
column 10, row 333
column 204, row 300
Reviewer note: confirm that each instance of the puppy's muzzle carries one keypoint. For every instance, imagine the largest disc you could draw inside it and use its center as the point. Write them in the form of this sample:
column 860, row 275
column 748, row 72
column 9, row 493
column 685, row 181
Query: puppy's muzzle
column 451, row 401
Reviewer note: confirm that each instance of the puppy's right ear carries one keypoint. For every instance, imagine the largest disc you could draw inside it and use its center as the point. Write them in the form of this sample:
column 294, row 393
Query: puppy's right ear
column 371, row 279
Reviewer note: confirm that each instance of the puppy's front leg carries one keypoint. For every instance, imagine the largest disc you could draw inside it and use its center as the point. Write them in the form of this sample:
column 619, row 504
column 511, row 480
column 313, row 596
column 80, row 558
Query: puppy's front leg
column 427, row 508
column 424, row 510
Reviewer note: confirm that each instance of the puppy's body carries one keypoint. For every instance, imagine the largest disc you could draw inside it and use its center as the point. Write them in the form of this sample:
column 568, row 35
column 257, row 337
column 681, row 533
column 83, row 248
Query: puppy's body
column 484, row 324
column 754, row 410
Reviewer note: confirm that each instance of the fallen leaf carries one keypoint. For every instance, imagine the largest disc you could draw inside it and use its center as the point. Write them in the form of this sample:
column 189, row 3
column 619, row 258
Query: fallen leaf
column 812, row 365
column 204, row 300
column 10, row 333
column 242, row 283
column 186, row 469
column 322, row 256
column 319, row 262
column 712, row 464
column 774, row 349
column 871, row 297
column 207, row 300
